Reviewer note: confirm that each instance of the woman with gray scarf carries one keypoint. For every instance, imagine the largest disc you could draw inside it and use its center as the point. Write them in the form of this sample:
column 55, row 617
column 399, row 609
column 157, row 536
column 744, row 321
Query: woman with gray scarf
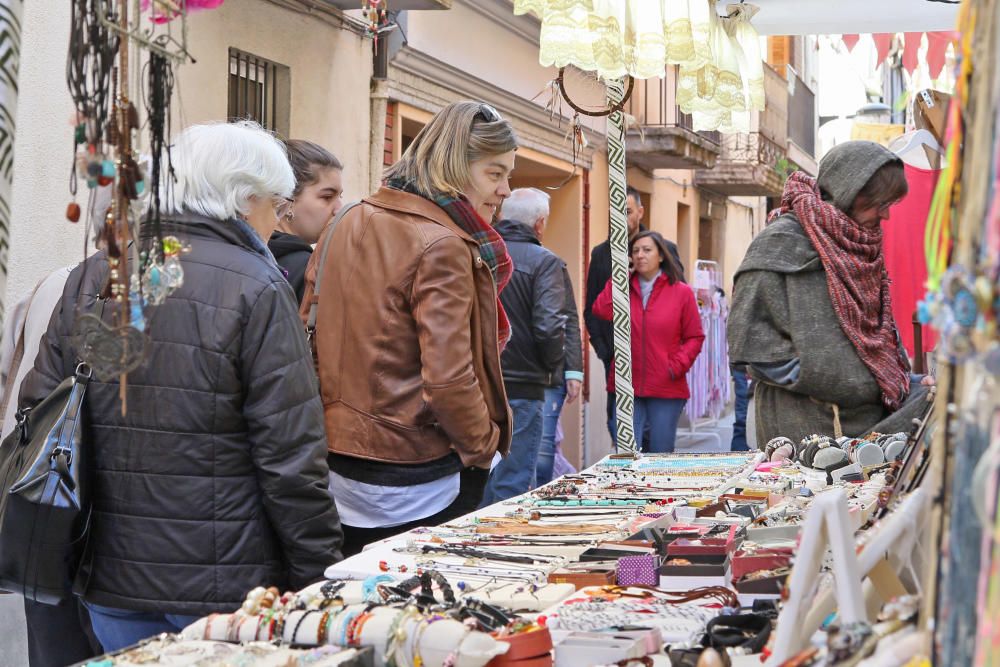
column 812, row 317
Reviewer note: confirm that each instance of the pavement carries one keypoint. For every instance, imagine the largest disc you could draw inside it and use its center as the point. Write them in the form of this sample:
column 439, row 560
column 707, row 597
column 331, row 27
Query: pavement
column 13, row 634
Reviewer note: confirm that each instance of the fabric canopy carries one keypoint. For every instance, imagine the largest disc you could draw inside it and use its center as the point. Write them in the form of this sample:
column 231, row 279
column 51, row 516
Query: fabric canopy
column 721, row 76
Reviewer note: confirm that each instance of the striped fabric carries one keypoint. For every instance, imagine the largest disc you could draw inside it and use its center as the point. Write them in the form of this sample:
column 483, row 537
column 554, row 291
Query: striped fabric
column 10, row 53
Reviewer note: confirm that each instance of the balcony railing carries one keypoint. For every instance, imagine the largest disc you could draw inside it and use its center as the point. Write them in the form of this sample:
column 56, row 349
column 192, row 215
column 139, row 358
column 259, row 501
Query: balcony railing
column 752, row 149
column 653, row 104
column 801, row 114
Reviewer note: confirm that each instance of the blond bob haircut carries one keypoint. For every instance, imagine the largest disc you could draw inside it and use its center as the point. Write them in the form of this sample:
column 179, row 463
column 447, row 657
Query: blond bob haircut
column 437, row 162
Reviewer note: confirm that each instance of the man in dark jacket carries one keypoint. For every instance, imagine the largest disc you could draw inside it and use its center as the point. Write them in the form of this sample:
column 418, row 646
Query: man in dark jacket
column 567, row 381
column 214, row 481
column 534, row 301
column 598, row 275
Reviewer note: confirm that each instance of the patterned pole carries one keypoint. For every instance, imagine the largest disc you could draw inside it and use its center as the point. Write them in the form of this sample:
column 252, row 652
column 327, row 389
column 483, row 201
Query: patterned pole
column 619, row 271
column 10, row 51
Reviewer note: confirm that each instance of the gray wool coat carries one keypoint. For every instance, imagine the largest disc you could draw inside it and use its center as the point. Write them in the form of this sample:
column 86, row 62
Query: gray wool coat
column 781, row 313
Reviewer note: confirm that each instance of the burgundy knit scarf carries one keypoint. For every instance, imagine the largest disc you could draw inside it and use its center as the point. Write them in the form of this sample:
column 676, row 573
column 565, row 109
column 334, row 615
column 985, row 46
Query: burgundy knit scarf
column 857, row 281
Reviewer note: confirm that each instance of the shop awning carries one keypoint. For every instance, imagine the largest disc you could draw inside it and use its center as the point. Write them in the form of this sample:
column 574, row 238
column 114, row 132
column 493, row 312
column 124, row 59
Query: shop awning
column 823, row 17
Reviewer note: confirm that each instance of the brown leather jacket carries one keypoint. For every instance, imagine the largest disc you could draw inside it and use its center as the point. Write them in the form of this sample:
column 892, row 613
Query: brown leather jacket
column 406, row 337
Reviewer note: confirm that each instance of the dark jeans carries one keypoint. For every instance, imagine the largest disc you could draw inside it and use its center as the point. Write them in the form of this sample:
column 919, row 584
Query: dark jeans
column 516, row 473
column 469, row 494
column 554, row 399
column 59, row 635
column 739, row 443
column 657, row 419
column 119, row 628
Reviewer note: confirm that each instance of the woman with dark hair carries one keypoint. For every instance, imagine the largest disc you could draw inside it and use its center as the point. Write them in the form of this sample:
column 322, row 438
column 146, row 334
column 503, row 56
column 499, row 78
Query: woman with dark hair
column 812, row 317
column 317, row 197
column 666, row 338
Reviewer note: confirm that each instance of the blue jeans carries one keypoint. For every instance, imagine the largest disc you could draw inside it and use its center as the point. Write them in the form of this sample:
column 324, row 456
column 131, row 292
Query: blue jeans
column 119, row 628
column 554, row 399
column 657, row 419
column 516, row 473
column 739, row 443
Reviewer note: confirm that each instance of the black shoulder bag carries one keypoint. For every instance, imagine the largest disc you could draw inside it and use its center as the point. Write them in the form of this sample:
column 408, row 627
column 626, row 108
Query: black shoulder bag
column 44, row 500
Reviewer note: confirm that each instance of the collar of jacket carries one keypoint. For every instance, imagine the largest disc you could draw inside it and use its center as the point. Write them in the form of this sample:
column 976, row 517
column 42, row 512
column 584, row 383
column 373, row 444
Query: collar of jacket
column 658, row 284
column 196, row 224
column 405, row 202
column 516, row 232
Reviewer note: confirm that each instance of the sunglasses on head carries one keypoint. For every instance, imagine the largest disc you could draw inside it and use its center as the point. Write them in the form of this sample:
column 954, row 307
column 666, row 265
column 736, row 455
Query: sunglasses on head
column 488, row 113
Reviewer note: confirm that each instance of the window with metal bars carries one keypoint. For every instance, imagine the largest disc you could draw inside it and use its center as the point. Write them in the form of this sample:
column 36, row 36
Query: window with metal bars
column 259, row 90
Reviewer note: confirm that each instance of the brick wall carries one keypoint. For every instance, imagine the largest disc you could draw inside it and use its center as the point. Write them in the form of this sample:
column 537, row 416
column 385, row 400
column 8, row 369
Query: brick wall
column 390, row 119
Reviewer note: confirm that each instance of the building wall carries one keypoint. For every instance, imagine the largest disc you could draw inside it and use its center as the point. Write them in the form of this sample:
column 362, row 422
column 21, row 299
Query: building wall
column 330, row 69
column 330, row 73
column 41, row 239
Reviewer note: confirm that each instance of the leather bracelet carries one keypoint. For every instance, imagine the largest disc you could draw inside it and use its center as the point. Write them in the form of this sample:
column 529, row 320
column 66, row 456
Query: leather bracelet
column 747, row 631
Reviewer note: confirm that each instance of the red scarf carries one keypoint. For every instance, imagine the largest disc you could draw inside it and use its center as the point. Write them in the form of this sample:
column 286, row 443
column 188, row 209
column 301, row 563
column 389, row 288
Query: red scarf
column 857, row 282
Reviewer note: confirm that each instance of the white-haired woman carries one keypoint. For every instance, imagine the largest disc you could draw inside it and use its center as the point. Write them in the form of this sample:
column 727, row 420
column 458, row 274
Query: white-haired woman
column 409, row 330
column 216, row 480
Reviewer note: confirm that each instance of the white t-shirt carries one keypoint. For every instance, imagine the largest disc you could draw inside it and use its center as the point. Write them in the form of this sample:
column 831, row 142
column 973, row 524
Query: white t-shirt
column 364, row 505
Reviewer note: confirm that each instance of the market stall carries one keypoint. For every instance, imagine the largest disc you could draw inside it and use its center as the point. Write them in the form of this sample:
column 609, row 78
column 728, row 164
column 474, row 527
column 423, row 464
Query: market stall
column 647, row 561
column 877, row 550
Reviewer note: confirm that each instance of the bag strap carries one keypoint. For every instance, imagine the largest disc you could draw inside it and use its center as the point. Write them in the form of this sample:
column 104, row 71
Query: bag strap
column 323, row 251
column 8, row 390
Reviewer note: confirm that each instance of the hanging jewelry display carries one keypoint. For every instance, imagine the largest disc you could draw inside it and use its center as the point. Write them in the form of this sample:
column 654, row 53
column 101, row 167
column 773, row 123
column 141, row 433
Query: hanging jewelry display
column 143, row 265
column 91, row 57
column 376, row 15
column 160, row 271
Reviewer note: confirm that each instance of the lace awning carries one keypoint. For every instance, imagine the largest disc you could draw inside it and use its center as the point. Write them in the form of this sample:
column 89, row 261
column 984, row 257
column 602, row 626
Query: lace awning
column 721, row 75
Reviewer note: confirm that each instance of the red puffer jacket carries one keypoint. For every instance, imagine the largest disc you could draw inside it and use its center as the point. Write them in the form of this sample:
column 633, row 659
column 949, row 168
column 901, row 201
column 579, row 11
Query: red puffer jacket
column 666, row 337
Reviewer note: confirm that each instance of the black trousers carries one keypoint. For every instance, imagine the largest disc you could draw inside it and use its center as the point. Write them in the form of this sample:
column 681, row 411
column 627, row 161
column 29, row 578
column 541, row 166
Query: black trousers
column 59, row 635
column 470, row 493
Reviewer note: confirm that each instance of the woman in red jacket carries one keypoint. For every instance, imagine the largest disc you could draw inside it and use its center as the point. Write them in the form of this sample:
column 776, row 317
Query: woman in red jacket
column 666, row 338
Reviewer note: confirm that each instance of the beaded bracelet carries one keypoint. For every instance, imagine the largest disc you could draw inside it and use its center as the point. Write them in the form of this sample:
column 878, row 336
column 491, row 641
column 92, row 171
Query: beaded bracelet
column 207, row 634
column 323, row 629
column 348, row 618
column 418, row 660
column 298, row 624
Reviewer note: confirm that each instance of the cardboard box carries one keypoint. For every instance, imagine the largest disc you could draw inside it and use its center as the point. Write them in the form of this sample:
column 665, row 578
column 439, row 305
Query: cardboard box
column 584, row 578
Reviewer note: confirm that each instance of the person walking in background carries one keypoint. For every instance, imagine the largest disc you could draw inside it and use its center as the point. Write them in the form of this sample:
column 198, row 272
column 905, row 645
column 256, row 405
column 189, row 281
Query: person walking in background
column 216, row 479
column 598, row 275
column 567, row 381
column 317, row 197
column 666, row 338
column 408, row 330
column 534, row 301
column 741, row 390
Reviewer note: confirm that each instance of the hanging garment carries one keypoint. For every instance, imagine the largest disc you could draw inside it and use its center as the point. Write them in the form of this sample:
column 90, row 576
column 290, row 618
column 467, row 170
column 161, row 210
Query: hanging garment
column 903, row 247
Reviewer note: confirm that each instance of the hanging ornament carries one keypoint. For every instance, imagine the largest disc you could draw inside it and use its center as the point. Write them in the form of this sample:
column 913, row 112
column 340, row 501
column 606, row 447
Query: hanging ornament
column 163, row 11
column 376, row 15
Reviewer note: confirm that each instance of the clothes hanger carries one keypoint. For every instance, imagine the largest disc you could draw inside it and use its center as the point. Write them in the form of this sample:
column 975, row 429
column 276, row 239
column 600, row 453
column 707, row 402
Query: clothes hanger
column 918, row 149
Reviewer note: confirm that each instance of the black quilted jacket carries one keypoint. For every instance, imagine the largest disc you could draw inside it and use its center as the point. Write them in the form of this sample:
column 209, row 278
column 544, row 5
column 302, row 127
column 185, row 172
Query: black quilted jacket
column 215, row 481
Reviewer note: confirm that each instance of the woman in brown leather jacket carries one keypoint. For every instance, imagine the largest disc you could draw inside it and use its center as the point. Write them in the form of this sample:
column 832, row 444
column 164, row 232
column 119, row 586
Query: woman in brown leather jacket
column 408, row 330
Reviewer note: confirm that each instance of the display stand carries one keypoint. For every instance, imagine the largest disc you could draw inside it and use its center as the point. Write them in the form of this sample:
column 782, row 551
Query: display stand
column 893, row 542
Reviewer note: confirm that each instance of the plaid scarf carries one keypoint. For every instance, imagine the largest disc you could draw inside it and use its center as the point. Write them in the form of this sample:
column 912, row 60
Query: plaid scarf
column 491, row 247
column 857, row 281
